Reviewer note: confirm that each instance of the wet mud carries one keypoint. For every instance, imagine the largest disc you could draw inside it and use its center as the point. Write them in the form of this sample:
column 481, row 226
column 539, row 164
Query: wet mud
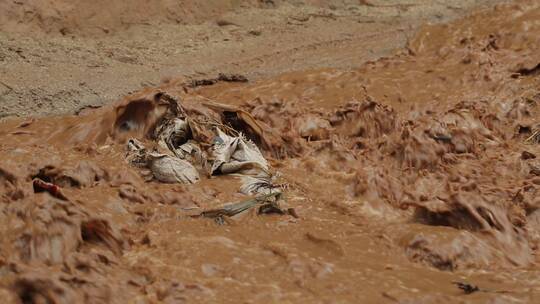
column 413, row 179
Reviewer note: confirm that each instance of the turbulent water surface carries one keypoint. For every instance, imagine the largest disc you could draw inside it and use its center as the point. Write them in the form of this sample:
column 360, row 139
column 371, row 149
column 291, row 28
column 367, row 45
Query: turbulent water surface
column 409, row 178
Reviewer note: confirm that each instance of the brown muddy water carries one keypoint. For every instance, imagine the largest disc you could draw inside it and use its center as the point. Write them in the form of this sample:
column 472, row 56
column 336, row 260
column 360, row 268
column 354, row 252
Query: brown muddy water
column 409, row 178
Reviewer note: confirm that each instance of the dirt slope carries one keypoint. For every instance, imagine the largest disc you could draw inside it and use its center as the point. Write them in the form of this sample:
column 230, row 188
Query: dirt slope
column 58, row 56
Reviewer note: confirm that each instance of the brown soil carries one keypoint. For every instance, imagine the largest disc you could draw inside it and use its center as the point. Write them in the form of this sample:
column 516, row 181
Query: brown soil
column 58, row 56
column 414, row 178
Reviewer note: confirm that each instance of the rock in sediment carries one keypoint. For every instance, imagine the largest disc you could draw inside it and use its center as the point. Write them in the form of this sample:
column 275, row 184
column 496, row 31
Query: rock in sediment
column 314, row 127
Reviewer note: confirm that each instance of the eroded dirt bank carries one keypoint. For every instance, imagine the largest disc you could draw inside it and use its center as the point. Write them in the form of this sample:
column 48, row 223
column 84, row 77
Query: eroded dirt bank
column 58, row 56
column 406, row 175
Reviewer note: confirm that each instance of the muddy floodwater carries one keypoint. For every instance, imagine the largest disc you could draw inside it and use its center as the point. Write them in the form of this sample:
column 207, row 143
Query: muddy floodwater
column 414, row 178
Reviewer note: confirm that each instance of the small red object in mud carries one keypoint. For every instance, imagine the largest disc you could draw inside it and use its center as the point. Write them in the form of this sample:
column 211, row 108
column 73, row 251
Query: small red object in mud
column 54, row 190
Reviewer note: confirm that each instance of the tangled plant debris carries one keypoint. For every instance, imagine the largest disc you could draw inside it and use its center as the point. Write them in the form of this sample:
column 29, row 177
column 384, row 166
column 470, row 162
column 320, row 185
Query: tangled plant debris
column 181, row 144
column 466, row 287
column 267, row 203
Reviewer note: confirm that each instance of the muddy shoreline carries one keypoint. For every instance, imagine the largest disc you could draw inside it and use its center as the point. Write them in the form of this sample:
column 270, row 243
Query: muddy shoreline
column 56, row 57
